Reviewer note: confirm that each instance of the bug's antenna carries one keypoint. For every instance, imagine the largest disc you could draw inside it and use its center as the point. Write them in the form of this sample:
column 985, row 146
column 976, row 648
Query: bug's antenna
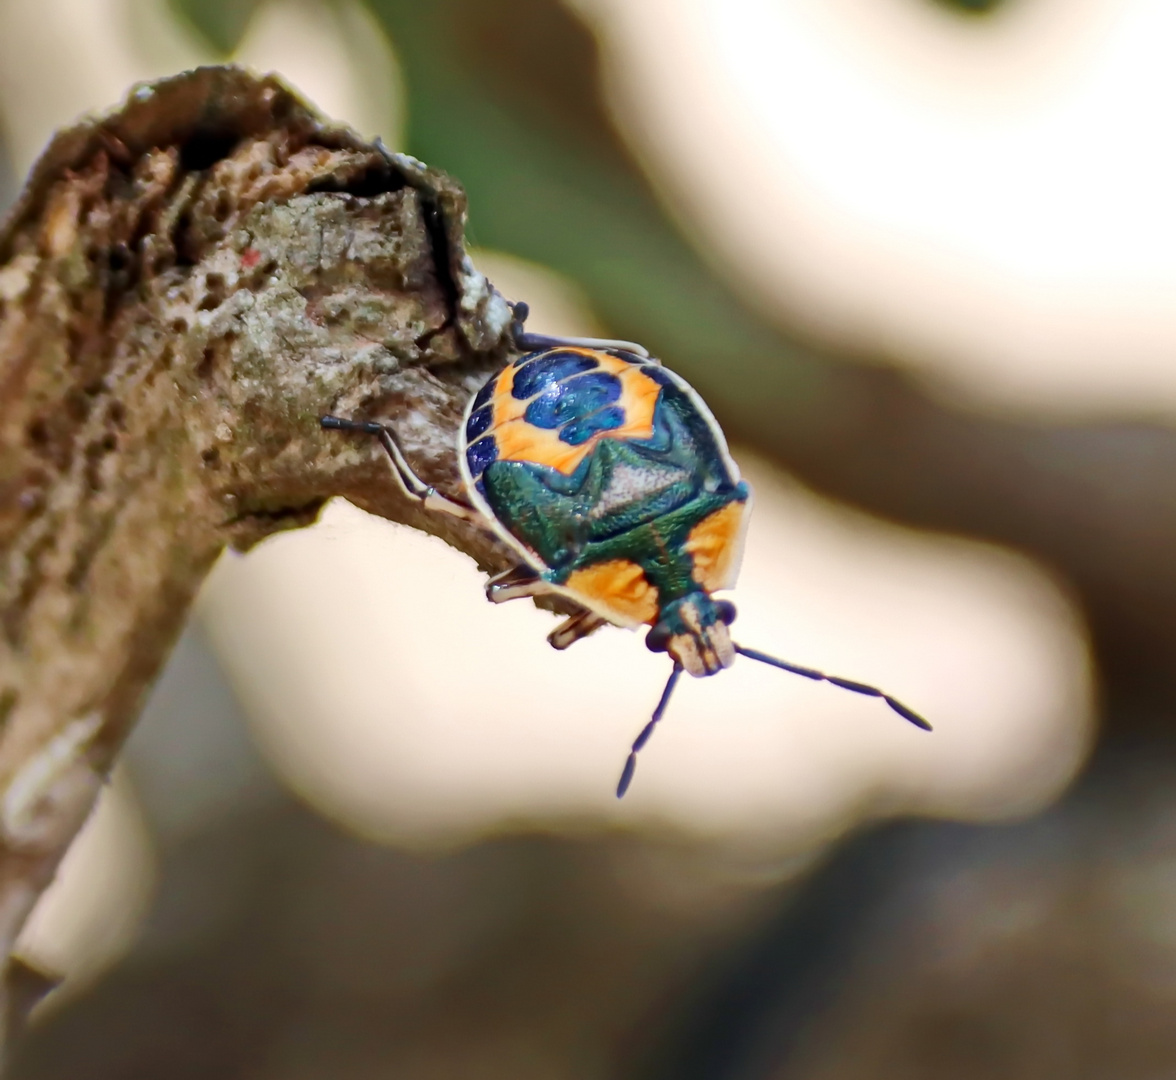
column 845, row 684
column 643, row 738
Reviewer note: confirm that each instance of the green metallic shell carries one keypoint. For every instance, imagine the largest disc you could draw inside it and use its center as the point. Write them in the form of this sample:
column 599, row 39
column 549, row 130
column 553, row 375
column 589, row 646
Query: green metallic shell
column 627, row 500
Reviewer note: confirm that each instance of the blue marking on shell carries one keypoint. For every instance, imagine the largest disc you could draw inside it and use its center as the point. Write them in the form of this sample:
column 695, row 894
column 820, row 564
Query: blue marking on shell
column 573, row 399
column 480, row 454
column 546, row 370
column 487, row 391
column 581, row 430
column 479, row 423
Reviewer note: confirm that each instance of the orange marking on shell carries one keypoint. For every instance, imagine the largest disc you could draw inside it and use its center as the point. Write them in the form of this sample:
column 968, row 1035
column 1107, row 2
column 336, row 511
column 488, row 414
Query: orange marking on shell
column 520, row 441
column 618, row 588
column 503, row 403
column 715, row 545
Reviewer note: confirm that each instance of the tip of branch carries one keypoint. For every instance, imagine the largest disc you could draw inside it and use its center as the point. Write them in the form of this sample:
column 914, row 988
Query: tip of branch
column 25, row 987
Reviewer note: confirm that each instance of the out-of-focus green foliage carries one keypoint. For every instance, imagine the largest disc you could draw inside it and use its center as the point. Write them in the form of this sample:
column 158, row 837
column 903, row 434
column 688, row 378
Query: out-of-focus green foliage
column 972, row 7
column 506, row 101
column 221, row 23
column 7, row 178
column 504, row 97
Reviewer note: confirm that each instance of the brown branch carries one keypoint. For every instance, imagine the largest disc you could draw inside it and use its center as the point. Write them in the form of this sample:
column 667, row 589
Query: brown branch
column 186, row 285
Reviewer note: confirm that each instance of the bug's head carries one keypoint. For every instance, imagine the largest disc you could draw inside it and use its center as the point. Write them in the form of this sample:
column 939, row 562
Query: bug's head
column 693, row 630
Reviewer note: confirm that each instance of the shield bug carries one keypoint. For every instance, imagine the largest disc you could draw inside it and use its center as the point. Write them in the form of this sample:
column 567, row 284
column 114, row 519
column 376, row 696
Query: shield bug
column 611, row 480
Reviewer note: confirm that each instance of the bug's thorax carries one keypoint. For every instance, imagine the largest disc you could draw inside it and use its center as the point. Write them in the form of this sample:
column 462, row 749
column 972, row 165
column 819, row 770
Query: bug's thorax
column 694, row 631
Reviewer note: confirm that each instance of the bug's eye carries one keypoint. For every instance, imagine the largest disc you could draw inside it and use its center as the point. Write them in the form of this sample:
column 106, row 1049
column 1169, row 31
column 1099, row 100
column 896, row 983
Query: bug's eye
column 658, row 638
column 726, row 611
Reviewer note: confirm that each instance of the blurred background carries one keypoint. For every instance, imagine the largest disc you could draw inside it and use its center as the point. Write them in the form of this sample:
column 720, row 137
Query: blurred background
column 920, row 257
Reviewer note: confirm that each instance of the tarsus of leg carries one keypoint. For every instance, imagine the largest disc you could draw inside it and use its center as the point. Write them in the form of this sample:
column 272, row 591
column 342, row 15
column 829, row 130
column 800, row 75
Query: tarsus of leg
column 575, row 627
column 514, row 584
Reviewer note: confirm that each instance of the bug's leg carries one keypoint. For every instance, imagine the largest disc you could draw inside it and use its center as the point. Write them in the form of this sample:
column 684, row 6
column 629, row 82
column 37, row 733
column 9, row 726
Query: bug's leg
column 515, row 583
column 526, row 342
column 520, row 581
column 575, row 627
column 411, row 484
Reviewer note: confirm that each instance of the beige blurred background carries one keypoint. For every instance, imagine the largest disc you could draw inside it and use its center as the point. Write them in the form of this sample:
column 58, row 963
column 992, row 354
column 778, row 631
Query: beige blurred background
column 975, row 195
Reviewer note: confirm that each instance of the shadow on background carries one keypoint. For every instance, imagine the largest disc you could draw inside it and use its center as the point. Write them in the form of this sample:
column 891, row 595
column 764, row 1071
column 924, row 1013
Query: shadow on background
column 279, row 946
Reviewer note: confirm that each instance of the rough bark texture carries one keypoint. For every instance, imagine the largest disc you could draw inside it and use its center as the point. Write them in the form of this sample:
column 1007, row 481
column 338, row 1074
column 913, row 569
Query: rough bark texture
column 186, row 285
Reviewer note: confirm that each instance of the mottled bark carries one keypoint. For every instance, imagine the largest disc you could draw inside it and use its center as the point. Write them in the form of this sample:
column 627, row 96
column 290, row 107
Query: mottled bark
column 186, row 285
